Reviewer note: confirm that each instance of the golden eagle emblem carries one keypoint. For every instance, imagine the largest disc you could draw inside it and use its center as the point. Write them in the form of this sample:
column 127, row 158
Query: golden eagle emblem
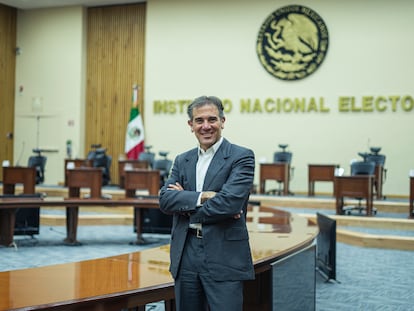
column 292, row 42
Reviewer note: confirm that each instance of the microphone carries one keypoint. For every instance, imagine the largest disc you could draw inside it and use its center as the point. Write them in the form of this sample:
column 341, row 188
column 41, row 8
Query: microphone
column 20, row 155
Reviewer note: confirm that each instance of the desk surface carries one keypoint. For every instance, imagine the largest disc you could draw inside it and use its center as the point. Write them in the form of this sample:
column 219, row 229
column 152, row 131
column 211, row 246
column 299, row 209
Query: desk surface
column 131, row 278
column 22, row 202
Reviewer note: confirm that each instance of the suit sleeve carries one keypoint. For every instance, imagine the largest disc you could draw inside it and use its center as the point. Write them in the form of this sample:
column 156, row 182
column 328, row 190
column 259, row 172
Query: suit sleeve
column 177, row 202
column 232, row 193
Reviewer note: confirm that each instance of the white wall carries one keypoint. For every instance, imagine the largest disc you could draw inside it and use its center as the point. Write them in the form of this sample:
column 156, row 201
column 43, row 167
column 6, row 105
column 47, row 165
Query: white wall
column 208, row 48
column 51, row 70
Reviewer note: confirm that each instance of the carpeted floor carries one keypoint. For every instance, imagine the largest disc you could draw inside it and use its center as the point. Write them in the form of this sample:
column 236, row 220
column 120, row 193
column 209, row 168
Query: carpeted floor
column 367, row 278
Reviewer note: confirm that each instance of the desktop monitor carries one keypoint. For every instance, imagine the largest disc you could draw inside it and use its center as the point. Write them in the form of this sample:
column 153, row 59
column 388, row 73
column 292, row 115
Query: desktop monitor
column 294, row 281
column 326, row 246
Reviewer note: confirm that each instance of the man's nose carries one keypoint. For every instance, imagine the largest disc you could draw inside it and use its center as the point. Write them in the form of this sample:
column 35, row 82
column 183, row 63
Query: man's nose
column 206, row 125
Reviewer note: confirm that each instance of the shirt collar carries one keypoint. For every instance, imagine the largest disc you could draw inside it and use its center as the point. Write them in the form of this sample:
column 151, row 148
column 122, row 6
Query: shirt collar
column 212, row 149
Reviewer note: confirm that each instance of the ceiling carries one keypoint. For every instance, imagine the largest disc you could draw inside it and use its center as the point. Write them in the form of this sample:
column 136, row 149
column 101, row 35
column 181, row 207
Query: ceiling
column 38, row 4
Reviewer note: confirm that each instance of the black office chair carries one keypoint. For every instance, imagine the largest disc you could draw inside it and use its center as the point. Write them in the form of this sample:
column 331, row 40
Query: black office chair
column 39, row 162
column 283, row 157
column 164, row 166
column 147, row 156
column 101, row 159
column 364, row 167
column 376, row 156
column 379, row 160
column 27, row 220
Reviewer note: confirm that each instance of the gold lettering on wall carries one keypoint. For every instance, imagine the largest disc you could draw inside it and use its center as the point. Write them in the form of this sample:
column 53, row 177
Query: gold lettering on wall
column 180, row 106
column 345, row 104
column 392, row 103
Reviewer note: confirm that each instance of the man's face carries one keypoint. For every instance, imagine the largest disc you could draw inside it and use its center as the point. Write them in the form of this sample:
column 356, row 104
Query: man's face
column 207, row 125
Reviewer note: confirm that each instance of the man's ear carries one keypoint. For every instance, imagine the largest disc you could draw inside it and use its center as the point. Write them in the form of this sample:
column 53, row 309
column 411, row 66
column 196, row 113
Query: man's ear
column 190, row 124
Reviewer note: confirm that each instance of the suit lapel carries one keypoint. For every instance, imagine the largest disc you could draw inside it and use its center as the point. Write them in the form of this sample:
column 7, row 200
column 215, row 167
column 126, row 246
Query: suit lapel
column 216, row 164
column 190, row 167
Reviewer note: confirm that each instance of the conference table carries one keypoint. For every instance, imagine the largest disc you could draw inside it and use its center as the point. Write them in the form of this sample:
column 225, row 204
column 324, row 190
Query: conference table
column 8, row 208
column 130, row 281
column 76, row 179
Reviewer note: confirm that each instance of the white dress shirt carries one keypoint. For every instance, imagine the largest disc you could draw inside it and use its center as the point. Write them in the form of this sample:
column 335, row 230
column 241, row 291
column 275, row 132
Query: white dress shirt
column 204, row 160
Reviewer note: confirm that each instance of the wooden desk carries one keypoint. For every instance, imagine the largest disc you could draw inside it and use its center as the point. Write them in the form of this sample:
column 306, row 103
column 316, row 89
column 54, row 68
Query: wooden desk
column 358, row 186
column 132, row 164
column 275, row 171
column 82, row 177
column 320, row 172
column 85, row 177
column 13, row 175
column 9, row 205
column 141, row 179
column 133, row 280
column 411, row 204
column 78, row 163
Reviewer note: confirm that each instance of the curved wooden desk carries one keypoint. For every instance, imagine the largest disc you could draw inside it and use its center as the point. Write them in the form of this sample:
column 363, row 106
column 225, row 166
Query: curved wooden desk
column 131, row 280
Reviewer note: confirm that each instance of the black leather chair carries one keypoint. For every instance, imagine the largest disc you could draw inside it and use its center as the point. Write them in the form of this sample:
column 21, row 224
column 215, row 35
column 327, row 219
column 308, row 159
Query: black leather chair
column 362, row 168
column 39, row 162
column 283, row 156
column 380, row 170
column 164, row 166
column 101, row 159
column 147, row 156
column 27, row 220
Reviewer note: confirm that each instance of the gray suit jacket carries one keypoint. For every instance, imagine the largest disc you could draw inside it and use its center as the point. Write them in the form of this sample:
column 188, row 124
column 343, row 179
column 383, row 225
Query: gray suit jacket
column 226, row 240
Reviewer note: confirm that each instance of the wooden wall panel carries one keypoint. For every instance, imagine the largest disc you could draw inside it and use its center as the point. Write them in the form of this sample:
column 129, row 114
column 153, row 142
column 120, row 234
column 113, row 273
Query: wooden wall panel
column 8, row 19
column 115, row 61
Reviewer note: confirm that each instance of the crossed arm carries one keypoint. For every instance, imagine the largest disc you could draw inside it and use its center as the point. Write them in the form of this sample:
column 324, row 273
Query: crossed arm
column 205, row 195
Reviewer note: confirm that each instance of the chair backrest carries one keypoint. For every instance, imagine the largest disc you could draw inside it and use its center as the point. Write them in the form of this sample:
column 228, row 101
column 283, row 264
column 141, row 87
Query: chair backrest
column 38, row 162
column 147, row 156
column 101, row 159
column 35, row 161
column 378, row 159
column 282, row 156
column 363, row 168
column 163, row 165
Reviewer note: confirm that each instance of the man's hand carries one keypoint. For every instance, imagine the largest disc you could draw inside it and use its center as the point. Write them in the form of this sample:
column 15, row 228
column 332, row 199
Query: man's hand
column 205, row 195
column 175, row 186
column 238, row 216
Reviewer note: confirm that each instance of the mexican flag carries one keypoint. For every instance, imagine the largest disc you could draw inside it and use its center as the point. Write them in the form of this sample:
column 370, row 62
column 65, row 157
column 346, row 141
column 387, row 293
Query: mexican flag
column 134, row 138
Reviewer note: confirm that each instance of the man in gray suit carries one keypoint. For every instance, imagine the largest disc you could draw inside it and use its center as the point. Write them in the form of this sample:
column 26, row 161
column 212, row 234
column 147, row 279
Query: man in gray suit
column 207, row 194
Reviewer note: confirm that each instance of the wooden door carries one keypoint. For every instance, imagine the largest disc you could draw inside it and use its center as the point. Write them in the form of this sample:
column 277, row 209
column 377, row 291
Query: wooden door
column 8, row 17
